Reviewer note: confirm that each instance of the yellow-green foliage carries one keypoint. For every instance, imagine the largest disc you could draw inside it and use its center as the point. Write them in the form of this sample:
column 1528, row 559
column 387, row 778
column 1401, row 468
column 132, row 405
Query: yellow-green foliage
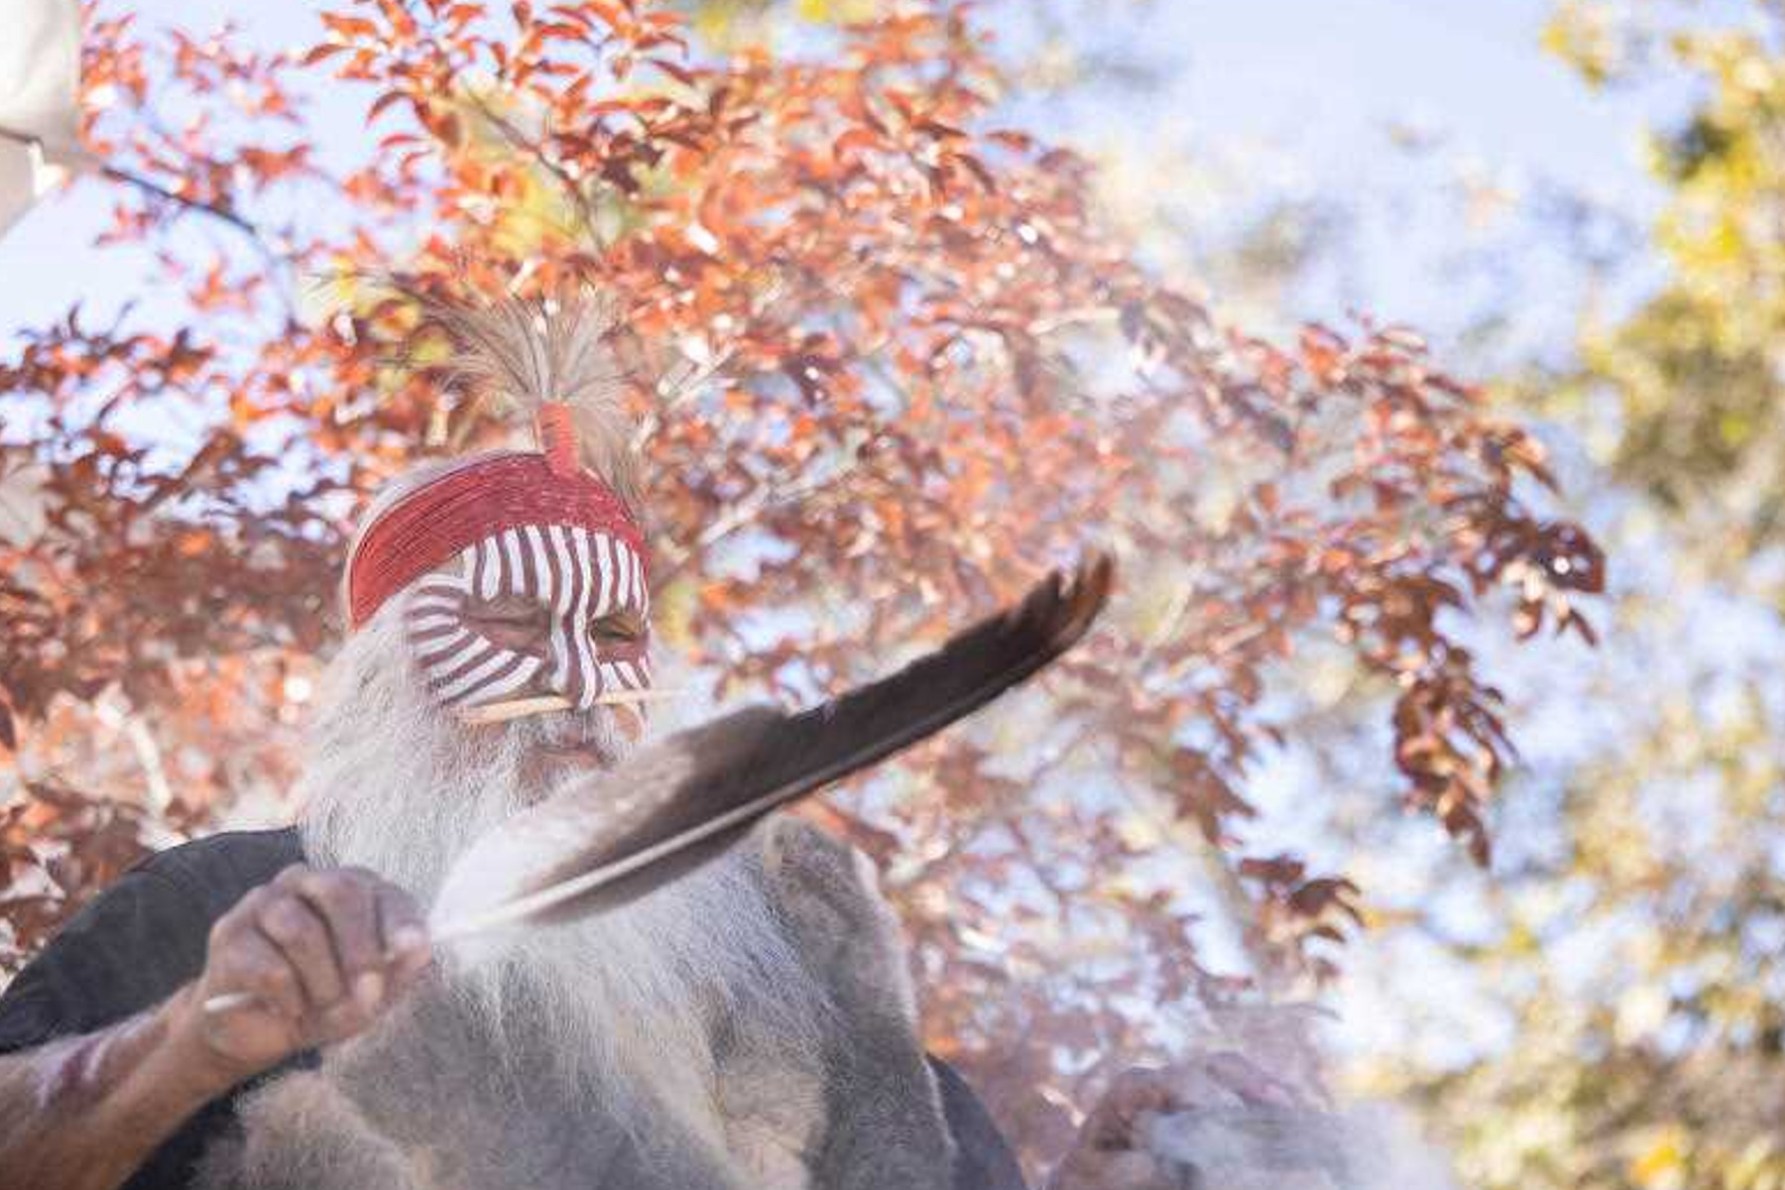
column 1696, row 372
column 1641, row 956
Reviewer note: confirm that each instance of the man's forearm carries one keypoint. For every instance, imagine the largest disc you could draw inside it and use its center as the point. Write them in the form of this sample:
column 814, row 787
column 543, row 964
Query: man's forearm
column 84, row 1113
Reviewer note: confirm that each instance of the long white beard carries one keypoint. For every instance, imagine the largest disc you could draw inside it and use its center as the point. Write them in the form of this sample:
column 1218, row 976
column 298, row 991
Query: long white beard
column 626, row 1001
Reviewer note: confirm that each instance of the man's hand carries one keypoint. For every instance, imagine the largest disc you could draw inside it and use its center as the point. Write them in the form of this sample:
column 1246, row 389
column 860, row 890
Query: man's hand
column 1108, row 1154
column 323, row 953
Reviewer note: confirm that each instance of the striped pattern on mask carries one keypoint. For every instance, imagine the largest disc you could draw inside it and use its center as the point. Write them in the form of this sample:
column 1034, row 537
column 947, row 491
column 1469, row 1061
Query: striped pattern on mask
column 577, row 576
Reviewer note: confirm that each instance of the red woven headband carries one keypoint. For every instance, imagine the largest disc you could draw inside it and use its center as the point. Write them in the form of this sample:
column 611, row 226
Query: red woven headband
column 434, row 523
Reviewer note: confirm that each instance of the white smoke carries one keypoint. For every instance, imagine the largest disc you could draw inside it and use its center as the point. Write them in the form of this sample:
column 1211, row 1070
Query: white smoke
column 1368, row 1146
column 1225, row 1141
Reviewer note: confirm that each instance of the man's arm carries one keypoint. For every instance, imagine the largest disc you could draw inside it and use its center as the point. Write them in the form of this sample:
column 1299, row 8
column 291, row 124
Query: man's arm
column 85, row 1112
column 323, row 953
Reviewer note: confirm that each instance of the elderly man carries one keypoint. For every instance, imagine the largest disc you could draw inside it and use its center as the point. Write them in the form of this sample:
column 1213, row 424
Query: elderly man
column 260, row 1010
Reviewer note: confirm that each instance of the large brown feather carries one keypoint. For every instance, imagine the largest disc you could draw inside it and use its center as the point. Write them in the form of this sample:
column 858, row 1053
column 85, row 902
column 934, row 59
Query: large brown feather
column 679, row 802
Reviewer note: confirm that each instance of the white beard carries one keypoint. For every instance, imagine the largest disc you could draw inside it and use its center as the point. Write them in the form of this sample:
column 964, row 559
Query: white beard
column 625, row 1001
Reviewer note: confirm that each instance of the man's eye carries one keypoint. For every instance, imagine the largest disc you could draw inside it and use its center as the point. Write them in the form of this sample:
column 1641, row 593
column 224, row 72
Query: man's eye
column 614, row 628
column 508, row 612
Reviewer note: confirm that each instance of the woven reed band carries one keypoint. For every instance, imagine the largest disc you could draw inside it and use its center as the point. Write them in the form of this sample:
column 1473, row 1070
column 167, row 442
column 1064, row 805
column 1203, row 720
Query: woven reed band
column 433, row 524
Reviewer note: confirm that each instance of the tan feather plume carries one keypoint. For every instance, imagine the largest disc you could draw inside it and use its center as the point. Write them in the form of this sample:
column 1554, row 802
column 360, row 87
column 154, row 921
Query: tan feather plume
column 617, row 835
column 531, row 351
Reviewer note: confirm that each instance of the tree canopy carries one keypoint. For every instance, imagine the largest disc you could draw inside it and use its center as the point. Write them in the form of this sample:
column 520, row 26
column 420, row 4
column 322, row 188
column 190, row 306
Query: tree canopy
column 922, row 370
column 1635, row 948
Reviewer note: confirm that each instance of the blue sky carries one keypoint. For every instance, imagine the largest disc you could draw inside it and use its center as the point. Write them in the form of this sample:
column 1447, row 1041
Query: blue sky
column 1328, row 76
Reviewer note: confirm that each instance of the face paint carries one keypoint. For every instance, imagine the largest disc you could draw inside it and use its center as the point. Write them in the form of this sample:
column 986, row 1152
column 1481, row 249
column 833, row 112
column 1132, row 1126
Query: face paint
column 576, row 578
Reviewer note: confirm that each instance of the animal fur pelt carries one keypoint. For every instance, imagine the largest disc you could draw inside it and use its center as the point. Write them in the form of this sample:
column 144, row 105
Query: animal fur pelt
column 429, row 1101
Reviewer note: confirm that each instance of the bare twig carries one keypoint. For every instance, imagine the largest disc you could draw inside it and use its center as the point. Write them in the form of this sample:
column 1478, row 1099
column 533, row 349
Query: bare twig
column 275, row 259
column 148, row 755
column 148, row 186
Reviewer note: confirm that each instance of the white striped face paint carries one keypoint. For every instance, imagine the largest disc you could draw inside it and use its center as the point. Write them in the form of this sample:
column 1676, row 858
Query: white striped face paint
column 538, row 609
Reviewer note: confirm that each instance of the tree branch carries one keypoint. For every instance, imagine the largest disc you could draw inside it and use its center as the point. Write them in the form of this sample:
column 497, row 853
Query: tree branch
column 155, row 190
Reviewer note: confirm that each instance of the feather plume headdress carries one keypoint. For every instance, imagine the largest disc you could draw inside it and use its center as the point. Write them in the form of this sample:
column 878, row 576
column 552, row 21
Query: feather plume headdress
column 554, row 359
column 548, row 357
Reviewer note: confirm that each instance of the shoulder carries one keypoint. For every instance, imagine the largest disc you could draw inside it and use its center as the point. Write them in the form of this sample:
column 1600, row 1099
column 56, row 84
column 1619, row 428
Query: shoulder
column 140, row 939
column 828, row 895
column 818, row 880
column 801, row 858
column 218, row 870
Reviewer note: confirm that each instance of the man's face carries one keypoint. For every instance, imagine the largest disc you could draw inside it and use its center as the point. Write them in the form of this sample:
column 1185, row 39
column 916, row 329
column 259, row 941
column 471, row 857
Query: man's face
column 534, row 612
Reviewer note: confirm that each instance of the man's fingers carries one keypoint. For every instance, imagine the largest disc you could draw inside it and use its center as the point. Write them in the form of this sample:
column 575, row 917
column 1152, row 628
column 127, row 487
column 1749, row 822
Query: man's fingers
column 341, row 940
column 291, row 925
column 310, row 958
column 253, row 964
column 343, row 1020
column 344, row 900
column 402, row 932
